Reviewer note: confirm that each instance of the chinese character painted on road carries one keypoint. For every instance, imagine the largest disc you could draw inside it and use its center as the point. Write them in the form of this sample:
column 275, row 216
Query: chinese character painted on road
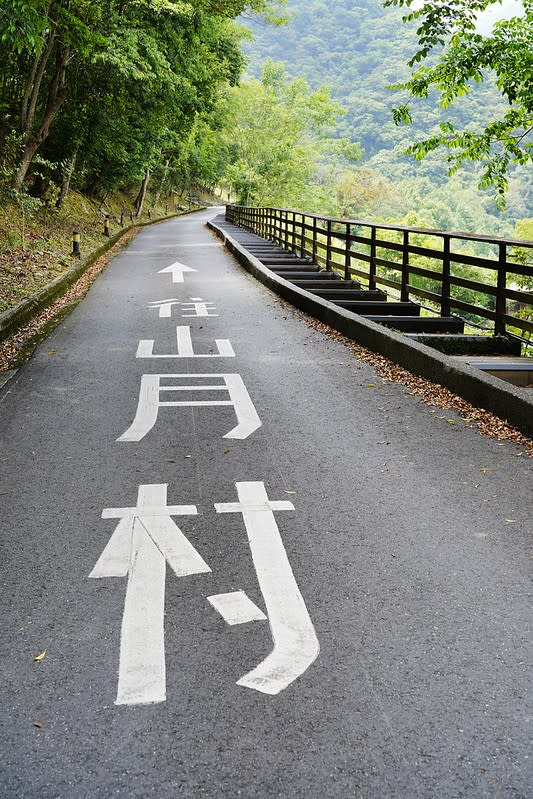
column 152, row 390
column 198, row 307
column 185, row 348
column 165, row 307
column 295, row 643
column 146, row 539
column 195, row 307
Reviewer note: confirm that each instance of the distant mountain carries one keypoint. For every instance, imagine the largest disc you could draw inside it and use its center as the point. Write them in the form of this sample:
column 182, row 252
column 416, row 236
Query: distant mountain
column 358, row 48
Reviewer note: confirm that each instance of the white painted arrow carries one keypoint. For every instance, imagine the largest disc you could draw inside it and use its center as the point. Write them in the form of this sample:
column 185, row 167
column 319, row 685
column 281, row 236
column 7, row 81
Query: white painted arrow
column 144, row 540
column 177, row 271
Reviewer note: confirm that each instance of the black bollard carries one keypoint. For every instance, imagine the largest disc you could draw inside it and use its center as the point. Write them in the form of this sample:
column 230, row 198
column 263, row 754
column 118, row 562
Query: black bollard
column 106, row 225
column 76, row 244
column 131, row 216
column 122, row 219
column 166, row 210
column 149, row 214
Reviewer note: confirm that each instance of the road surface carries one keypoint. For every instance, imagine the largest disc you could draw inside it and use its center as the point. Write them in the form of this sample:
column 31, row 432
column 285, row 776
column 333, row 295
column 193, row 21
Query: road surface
column 262, row 573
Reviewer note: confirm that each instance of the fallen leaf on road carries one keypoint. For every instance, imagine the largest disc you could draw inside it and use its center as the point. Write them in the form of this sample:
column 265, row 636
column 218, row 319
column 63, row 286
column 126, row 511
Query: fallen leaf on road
column 289, row 492
column 431, row 393
column 41, row 656
column 38, row 724
column 510, row 521
column 450, row 421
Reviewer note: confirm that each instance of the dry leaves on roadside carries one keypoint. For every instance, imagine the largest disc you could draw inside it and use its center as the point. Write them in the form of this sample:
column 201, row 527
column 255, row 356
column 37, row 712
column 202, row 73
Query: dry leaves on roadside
column 10, row 349
column 431, row 393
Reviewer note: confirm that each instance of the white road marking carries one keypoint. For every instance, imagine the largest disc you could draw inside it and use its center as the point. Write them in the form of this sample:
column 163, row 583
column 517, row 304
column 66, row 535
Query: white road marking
column 5, row 377
column 295, row 643
column 177, row 270
column 198, row 307
column 185, row 348
column 165, row 307
column 149, row 403
column 142, row 671
column 236, row 608
column 144, row 540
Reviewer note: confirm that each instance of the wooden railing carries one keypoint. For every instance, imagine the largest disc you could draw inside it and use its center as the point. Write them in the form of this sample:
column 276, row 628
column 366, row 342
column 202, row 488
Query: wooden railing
column 427, row 264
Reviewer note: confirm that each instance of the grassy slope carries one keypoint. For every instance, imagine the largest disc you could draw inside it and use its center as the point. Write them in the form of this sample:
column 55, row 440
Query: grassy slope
column 35, row 243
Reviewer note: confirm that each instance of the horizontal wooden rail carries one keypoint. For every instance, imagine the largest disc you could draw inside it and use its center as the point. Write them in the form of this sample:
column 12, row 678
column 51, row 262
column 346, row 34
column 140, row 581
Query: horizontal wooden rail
column 395, row 257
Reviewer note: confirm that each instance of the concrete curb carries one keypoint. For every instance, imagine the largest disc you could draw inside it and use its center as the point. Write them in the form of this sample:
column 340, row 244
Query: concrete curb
column 14, row 318
column 511, row 403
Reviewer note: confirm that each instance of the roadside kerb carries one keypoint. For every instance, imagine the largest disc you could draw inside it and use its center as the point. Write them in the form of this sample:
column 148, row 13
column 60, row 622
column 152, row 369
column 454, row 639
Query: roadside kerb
column 511, row 403
column 14, row 318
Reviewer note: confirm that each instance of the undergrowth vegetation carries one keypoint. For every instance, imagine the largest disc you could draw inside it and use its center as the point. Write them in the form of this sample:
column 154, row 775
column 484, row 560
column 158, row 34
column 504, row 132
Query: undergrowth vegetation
column 36, row 238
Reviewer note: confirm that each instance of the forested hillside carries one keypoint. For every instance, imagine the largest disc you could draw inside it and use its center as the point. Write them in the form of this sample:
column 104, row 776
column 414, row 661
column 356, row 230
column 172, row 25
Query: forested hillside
column 358, row 48
column 144, row 95
column 104, row 95
column 106, row 107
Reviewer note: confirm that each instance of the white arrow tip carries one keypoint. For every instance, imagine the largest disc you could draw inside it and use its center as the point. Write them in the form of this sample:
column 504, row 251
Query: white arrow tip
column 177, row 267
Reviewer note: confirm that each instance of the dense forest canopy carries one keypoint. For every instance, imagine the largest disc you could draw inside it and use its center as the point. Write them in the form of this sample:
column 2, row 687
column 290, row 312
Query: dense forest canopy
column 108, row 91
column 130, row 93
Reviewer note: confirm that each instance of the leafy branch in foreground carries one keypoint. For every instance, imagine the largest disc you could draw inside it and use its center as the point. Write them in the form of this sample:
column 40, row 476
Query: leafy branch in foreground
column 463, row 58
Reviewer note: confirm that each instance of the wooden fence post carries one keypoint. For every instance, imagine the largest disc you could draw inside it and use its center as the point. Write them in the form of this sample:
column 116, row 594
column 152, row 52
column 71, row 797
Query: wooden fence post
column 445, row 305
column 405, row 268
column 372, row 264
column 328, row 246
column 293, row 231
column 501, row 304
column 347, row 258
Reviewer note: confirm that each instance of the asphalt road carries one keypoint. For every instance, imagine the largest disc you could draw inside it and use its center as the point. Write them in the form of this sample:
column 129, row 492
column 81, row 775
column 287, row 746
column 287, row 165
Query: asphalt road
column 407, row 560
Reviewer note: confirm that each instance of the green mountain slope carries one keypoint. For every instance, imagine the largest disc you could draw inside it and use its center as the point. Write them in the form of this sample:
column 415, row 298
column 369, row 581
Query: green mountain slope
column 358, row 48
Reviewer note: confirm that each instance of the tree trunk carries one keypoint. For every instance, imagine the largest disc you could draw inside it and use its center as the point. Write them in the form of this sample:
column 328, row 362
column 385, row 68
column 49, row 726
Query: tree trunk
column 91, row 187
column 33, row 86
column 65, row 183
column 139, row 201
column 56, row 97
column 163, row 181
